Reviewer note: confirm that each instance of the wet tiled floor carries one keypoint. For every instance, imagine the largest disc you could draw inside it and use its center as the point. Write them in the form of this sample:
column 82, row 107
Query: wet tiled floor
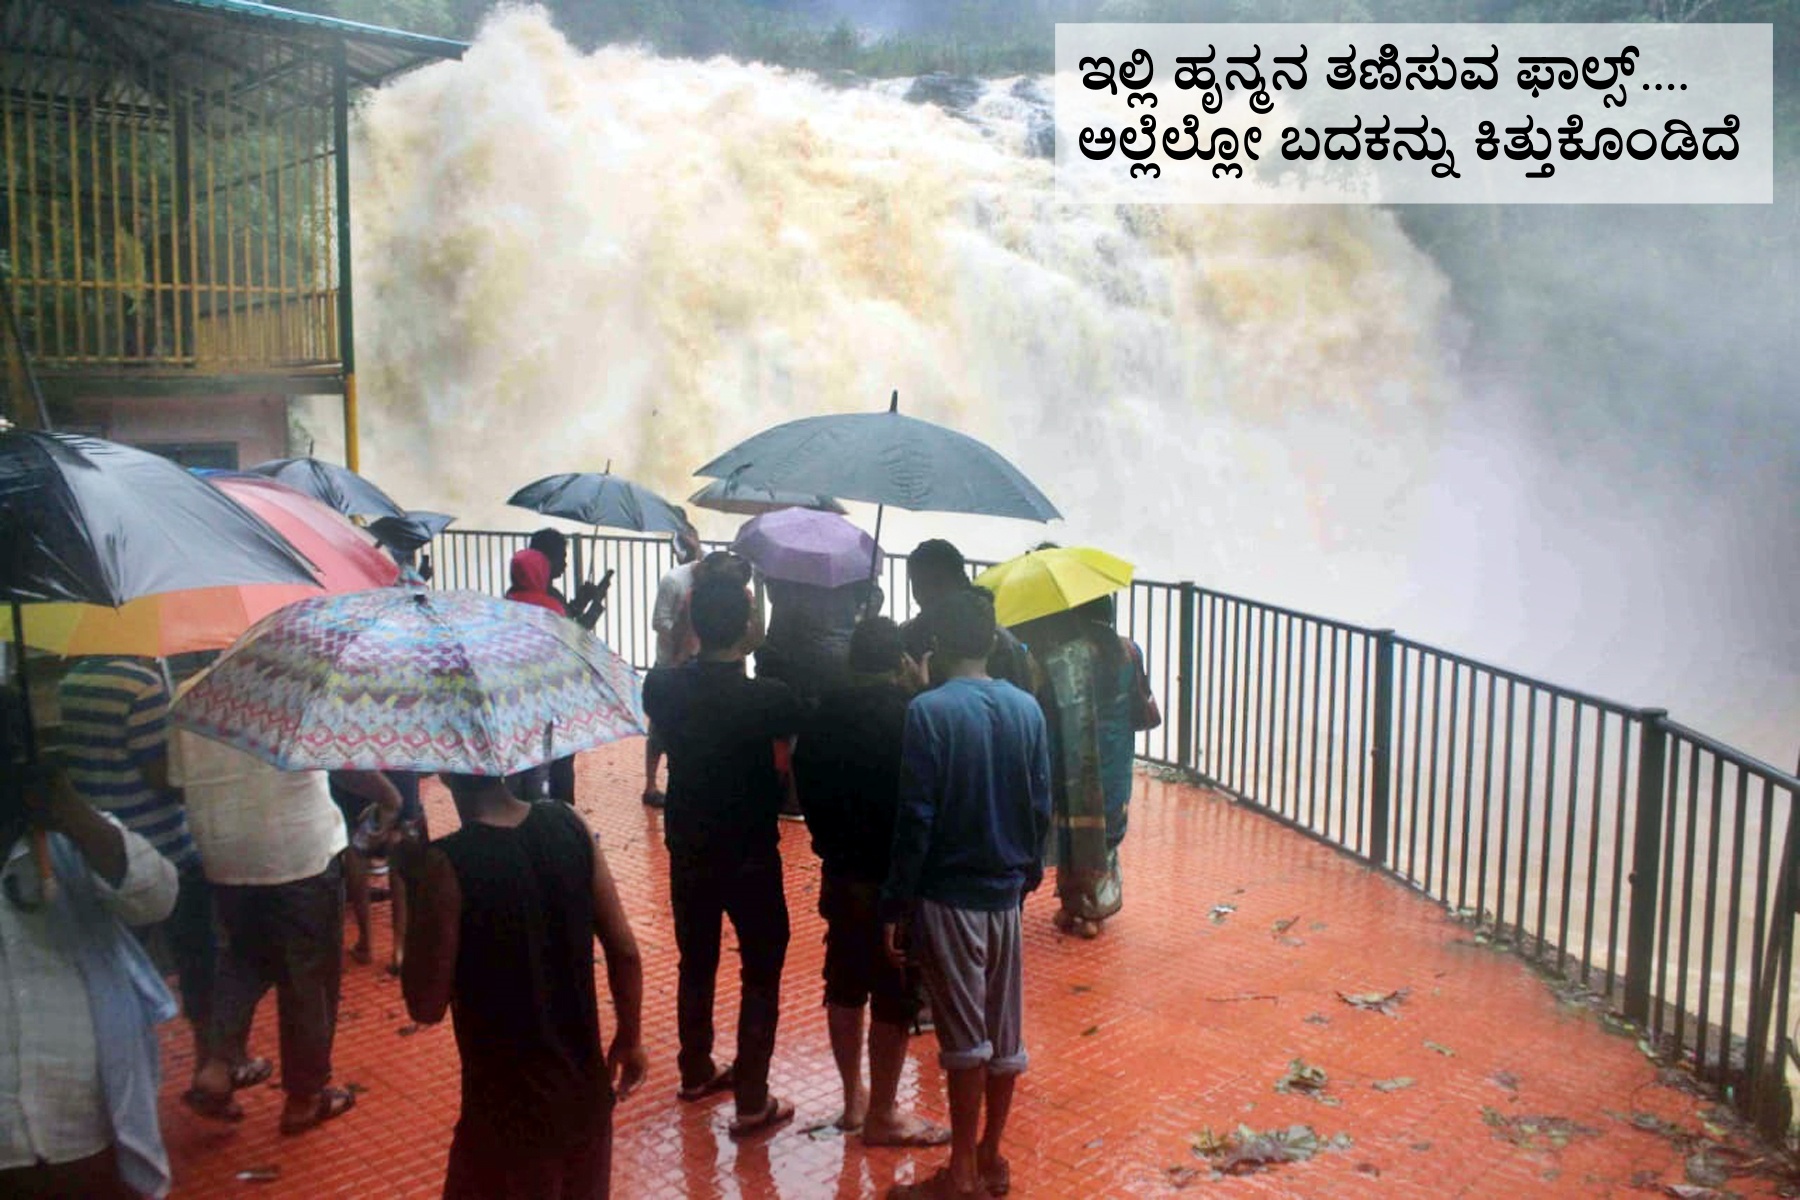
column 1177, row 1020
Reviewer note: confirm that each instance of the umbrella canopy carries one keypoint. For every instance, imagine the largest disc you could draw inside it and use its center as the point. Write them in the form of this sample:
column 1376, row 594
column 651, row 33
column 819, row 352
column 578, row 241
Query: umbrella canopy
column 884, row 458
column 212, row 618
column 411, row 530
column 803, row 546
column 93, row 521
column 406, row 680
column 340, row 487
column 601, row 498
column 731, row 496
column 1045, row 582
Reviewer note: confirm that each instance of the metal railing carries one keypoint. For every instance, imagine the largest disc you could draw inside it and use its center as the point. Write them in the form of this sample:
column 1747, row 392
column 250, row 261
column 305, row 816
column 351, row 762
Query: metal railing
column 1640, row 861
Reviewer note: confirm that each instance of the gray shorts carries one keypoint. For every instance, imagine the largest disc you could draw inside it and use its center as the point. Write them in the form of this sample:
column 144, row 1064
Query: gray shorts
column 974, row 973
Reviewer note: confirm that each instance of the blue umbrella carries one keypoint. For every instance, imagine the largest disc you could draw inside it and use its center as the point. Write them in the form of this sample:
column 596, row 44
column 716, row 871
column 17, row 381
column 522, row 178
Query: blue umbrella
column 601, row 499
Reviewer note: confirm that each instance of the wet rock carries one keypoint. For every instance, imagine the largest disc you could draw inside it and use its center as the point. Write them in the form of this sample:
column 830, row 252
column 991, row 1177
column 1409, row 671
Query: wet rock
column 1040, row 139
column 952, row 93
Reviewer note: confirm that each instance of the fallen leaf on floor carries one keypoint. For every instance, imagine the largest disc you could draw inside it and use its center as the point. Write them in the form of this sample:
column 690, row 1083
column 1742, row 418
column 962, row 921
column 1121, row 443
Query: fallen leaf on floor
column 1318, row 1019
column 1646, row 1181
column 1095, row 1144
column 1706, row 1171
column 1689, row 1191
column 1246, row 1150
column 1302, row 1077
column 408, row 1030
column 1090, row 1031
column 1293, row 941
column 1535, row 1132
column 1369, row 1169
column 1385, row 1003
column 1317, row 927
column 1286, row 924
column 1181, row 1177
column 1442, row 1049
column 1505, row 1079
column 259, row 1174
column 1393, row 1085
column 1422, row 1147
column 1221, row 911
column 1079, row 988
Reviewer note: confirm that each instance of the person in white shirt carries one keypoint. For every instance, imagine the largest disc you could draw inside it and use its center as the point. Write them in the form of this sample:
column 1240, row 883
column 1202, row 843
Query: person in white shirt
column 79, row 1002
column 674, row 639
column 271, row 844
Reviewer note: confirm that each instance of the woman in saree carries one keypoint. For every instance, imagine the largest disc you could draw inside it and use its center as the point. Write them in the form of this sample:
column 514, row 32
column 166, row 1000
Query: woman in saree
column 1089, row 681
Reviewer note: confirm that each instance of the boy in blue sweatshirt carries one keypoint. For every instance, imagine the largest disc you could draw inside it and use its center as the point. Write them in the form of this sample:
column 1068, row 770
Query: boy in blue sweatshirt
column 968, row 837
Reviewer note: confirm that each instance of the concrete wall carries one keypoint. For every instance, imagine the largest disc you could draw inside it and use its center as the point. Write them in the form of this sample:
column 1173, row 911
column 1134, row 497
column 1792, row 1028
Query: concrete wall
column 257, row 426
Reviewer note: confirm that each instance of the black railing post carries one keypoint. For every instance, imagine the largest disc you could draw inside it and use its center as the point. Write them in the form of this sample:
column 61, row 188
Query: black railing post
column 1646, row 857
column 1381, row 785
column 1185, row 681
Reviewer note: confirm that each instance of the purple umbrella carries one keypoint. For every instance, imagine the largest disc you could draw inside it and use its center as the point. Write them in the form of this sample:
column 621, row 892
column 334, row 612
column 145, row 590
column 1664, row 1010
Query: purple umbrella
column 806, row 546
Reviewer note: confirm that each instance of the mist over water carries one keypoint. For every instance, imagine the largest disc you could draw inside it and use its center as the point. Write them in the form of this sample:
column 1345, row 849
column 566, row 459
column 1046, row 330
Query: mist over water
column 563, row 260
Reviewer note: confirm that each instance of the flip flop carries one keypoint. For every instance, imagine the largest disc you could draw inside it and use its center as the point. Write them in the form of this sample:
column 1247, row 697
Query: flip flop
column 214, row 1106
column 724, row 1081
column 778, row 1113
column 249, row 1074
column 939, row 1186
column 925, row 1134
column 332, row 1103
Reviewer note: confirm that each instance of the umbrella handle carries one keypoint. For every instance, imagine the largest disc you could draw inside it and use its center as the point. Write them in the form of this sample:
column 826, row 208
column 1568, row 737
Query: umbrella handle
column 40, row 854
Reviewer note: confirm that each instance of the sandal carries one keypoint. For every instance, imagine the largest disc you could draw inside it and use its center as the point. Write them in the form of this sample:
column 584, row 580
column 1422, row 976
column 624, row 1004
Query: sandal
column 249, row 1074
column 921, row 1136
column 997, row 1178
column 939, row 1186
column 214, row 1106
column 332, row 1103
column 779, row 1112
column 724, row 1081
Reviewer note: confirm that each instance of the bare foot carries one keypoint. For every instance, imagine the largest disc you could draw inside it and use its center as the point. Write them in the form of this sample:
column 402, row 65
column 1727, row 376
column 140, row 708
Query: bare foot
column 904, row 1129
column 359, row 953
column 856, row 1110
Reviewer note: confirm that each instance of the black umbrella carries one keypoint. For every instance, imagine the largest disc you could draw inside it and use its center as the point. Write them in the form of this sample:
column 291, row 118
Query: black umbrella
column 95, row 522
column 340, row 487
column 410, row 531
column 601, row 499
column 884, row 458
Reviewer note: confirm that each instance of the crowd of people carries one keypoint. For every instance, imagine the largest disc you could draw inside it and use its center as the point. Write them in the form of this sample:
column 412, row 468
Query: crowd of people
column 940, row 766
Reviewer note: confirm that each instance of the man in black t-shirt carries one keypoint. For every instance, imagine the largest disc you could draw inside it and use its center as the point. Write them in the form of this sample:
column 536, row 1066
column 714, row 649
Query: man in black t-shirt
column 508, row 908
column 720, row 824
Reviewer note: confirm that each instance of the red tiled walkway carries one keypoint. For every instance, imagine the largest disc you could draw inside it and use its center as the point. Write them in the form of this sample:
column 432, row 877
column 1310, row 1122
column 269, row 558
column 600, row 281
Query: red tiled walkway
column 1170, row 1023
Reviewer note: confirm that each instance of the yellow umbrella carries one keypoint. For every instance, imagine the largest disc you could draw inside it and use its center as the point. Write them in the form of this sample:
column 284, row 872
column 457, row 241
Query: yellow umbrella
column 1050, row 581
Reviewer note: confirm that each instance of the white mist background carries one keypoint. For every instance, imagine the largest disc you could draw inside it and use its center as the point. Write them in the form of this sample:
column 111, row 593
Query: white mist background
column 562, row 260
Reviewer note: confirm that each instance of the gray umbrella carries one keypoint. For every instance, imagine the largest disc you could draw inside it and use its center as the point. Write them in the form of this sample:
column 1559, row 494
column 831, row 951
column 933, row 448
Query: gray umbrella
column 731, row 496
column 328, row 483
column 601, row 499
column 884, row 458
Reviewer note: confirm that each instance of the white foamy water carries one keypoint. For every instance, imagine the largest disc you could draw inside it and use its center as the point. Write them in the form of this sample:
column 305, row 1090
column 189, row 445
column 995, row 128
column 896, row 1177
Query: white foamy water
column 564, row 260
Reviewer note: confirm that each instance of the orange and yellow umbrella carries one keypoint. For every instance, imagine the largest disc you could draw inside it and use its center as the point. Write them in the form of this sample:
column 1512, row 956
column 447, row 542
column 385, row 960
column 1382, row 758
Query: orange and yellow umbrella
column 169, row 623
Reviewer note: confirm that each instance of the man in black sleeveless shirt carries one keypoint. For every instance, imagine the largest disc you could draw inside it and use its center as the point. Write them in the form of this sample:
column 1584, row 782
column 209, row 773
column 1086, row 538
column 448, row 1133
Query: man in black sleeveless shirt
column 503, row 933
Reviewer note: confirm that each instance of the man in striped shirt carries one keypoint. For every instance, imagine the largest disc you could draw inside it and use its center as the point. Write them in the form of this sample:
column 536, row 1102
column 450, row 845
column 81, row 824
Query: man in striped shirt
column 115, row 727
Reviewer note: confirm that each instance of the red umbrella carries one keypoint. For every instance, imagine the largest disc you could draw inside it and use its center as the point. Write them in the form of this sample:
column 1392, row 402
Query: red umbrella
column 348, row 560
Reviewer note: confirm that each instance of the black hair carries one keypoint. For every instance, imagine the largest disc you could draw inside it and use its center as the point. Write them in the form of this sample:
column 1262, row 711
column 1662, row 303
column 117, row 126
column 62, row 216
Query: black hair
column 937, row 557
column 964, row 624
column 723, row 564
column 719, row 612
column 876, row 647
column 553, row 545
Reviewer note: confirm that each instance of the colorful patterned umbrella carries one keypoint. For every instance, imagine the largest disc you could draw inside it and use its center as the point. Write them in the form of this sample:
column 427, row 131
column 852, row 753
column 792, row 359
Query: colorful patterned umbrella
column 415, row 681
